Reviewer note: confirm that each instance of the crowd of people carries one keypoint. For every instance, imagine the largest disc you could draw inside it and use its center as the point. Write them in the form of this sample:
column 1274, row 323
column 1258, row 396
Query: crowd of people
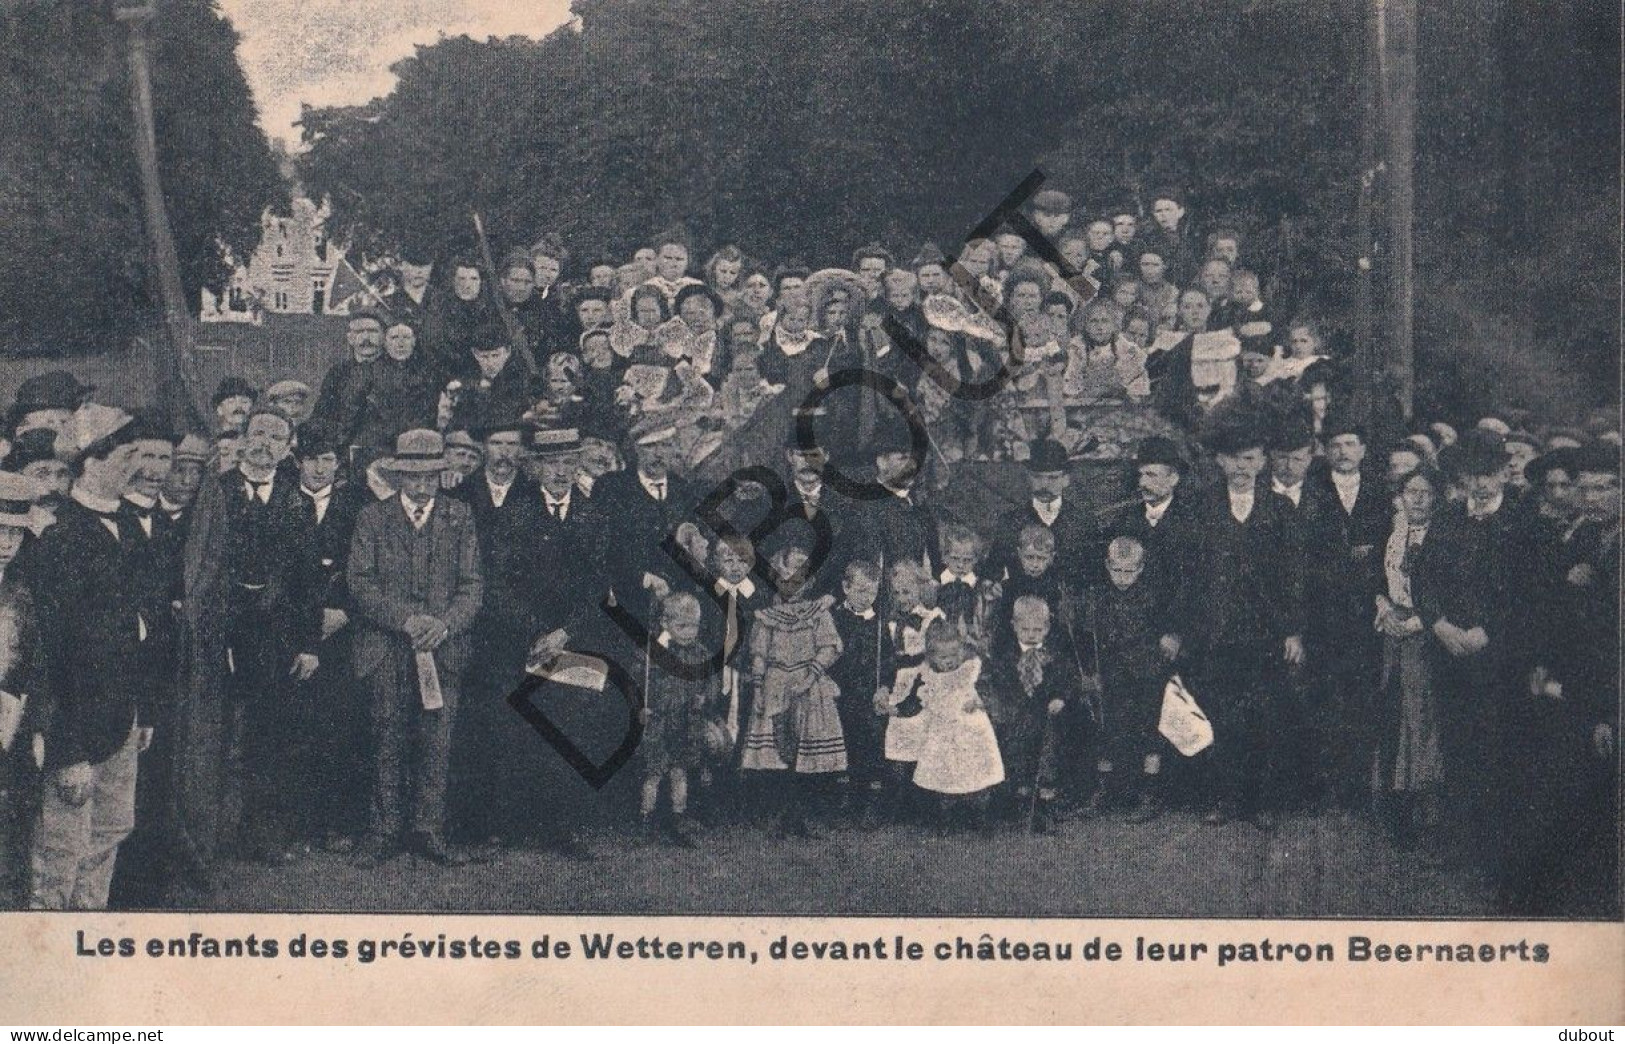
column 306, row 628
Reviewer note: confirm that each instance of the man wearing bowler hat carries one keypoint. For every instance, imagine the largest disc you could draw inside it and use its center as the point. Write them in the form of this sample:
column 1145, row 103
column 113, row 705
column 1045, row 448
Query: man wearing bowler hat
column 415, row 582
column 47, row 401
column 1077, row 537
column 1249, row 617
column 1164, row 522
column 1461, row 585
column 233, row 398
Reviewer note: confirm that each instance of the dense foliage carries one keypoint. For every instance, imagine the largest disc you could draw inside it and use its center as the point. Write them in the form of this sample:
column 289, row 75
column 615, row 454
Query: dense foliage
column 800, row 130
column 73, row 252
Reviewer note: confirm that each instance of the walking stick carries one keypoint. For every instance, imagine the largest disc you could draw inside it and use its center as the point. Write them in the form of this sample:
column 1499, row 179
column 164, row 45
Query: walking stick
column 1038, row 773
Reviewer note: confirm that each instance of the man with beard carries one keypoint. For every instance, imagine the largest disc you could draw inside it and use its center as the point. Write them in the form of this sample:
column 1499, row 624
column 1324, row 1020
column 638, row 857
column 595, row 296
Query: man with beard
column 1078, row 543
column 1249, row 617
column 1164, row 522
column 507, row 772
column 346, row 385
column 896, row 524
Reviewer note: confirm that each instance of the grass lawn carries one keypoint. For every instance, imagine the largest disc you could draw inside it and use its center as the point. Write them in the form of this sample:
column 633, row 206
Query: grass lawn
column 1326, row 865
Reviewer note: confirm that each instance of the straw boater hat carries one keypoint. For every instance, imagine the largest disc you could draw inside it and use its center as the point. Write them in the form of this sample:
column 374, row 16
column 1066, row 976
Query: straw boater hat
column 18, row 494
column 418, row 450
column 553, row 442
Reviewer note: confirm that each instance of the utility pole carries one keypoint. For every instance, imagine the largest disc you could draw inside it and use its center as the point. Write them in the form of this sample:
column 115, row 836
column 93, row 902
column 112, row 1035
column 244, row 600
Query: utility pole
column 1396, row 33
column 1365, row 216
column 177, row 394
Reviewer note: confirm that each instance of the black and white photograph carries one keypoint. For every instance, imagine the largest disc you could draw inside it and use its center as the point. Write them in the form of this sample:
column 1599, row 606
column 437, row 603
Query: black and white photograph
column 1020, row 458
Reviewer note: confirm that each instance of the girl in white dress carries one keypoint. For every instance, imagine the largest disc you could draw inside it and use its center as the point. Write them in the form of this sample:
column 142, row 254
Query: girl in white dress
column 958, row 754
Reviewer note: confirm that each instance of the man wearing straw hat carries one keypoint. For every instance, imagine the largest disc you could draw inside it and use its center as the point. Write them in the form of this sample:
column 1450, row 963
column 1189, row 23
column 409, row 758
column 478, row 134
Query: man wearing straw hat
column 90, row 620
column 415, row 582
column 562, row 536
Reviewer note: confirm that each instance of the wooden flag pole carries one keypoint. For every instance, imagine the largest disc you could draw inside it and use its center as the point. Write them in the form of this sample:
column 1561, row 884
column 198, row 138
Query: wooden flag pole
column 178, row 391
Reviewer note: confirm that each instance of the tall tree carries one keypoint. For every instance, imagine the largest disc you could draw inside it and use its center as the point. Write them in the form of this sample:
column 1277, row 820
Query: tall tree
column 802, row 130
column 73, row 258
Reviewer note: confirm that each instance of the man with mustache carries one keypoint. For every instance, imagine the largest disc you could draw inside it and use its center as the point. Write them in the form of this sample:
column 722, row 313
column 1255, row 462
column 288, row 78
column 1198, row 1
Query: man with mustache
column 1164, row 523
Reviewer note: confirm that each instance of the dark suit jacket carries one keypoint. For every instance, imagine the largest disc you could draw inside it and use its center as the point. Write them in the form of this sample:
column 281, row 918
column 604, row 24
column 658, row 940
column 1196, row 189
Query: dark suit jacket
column 1340, row 579
column 291, row 559
column 896, row 529
column 1462, row 572
column 390, row 582
column 476, row 493
column 1173, row 549
column 1079, row 547
column 89, row 599
column 341, row 402
column 1250, row 589
column 636, row 526
column 546, row 573
column 333, row 534
column 502, row 400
